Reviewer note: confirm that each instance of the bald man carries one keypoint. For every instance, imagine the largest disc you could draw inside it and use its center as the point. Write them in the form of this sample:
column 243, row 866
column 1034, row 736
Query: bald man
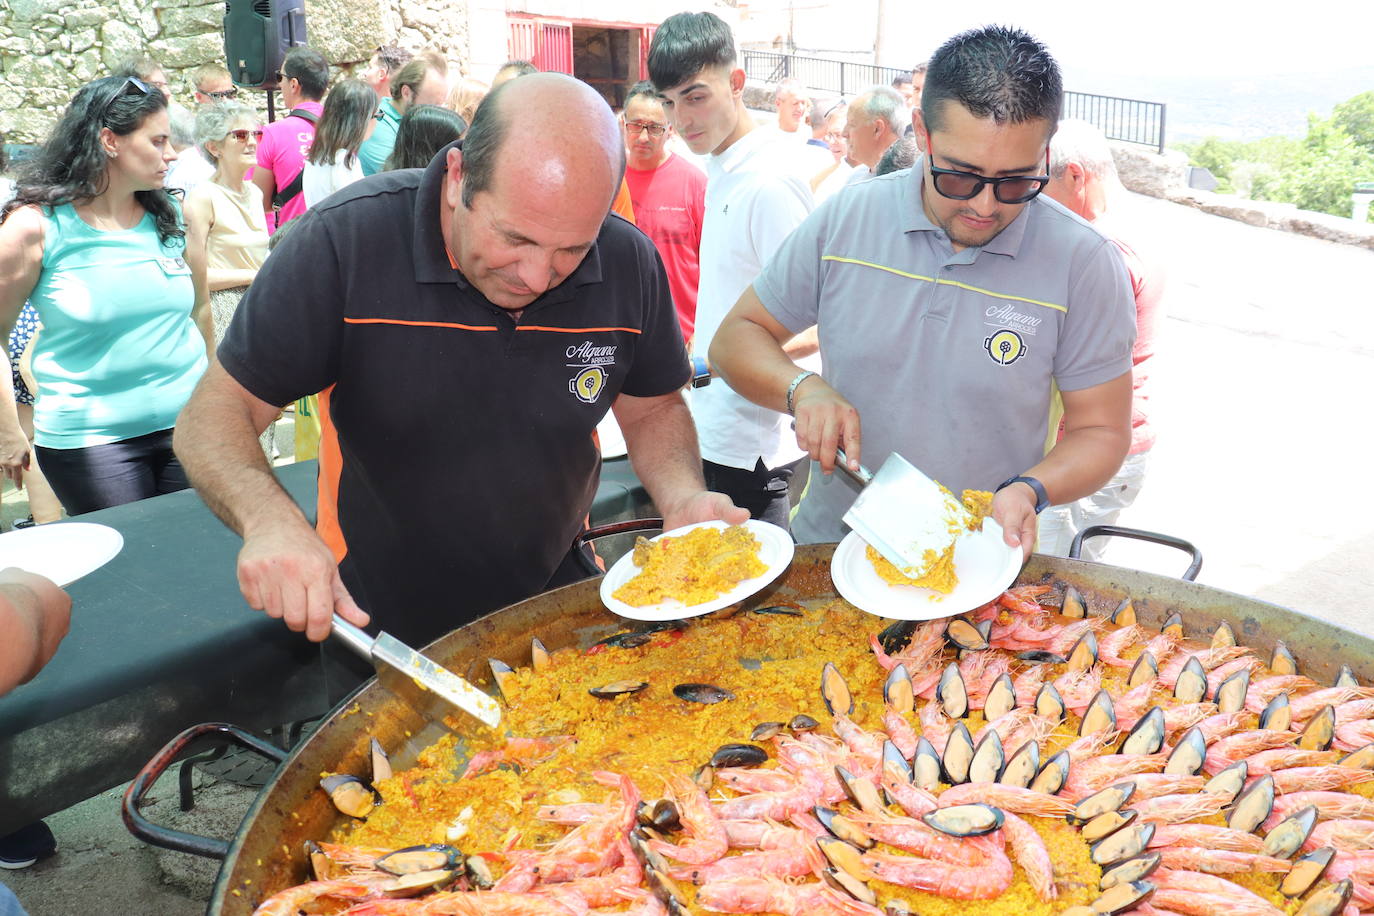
column 467, row 327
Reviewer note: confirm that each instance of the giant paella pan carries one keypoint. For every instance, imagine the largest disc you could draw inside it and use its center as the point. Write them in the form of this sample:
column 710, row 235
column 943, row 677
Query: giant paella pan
column 1096, row 740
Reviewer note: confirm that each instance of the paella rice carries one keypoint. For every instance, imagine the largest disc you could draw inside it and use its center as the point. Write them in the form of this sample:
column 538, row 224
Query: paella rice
column 562, row 748
column 693, row 568
column 937, row 571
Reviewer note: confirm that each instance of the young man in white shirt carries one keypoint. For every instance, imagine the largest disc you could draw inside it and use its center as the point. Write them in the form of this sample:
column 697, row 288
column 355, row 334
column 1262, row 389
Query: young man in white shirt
column 749, row 452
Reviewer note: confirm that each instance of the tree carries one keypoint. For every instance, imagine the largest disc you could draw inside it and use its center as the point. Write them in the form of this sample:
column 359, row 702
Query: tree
column 1355, row 116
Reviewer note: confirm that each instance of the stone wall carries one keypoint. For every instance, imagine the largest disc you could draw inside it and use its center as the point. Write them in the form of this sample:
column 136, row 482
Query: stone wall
column 49, row 48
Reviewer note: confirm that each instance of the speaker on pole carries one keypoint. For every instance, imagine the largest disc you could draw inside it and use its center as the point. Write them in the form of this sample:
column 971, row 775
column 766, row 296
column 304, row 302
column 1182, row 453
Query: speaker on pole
column 257, row 35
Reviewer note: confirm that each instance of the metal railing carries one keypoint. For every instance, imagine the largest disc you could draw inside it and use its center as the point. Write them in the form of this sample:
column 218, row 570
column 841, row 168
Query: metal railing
column 1126, row 120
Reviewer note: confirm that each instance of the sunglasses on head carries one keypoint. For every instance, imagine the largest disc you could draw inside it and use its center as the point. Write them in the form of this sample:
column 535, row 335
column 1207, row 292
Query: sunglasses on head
column 242, row 134
column 138, row 87
column 1014, row 189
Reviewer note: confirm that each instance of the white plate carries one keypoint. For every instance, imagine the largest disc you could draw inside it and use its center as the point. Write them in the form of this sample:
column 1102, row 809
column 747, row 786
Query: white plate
column 775, row 552
column 983, row 562
column 612, row 442
column 62, row 551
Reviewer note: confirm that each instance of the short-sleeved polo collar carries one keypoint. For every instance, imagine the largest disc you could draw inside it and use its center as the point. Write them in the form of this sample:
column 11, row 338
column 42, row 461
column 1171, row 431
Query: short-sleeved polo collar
column 433, row 263
column 914, row 219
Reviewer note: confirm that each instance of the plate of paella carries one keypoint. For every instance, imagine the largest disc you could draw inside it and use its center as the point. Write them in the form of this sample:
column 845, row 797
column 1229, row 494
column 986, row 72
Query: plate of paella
column 976, row 570
column 695, row 570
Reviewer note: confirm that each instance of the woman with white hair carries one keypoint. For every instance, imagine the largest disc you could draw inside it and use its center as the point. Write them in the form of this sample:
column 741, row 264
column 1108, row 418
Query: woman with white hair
column 224, row 215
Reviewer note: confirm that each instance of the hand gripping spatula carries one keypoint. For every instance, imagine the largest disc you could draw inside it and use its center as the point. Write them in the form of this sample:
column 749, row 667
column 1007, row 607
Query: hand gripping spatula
column 901, row 512
column 415, row 678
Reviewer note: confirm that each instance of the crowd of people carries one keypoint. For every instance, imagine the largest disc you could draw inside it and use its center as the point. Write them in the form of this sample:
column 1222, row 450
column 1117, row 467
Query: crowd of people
column 455, row 319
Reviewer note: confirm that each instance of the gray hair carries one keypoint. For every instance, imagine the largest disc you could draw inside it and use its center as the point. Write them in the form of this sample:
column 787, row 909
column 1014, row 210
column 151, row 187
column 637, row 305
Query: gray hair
column 183, row 122
column 1081, row 142
column 214, row 121
column 792, row 85
column 886, row 103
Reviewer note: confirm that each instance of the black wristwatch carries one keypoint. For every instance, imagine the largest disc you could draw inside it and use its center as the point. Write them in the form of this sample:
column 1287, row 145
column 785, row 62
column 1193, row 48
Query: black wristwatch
column 1042, row 499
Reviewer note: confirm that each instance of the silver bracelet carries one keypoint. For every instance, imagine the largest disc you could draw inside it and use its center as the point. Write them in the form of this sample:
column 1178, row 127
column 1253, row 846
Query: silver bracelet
column 792, row 388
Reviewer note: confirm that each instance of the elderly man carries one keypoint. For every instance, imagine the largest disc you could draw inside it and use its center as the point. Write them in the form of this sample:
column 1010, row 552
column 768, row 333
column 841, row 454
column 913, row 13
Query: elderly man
column 793, row 104
column 1083, row 179
column 874, row 122
column 468, row 326
column 423, row 80
column 955, row 309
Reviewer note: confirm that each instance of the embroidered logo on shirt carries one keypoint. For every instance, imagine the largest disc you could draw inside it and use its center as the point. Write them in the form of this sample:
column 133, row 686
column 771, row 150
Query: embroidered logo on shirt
column 1006, row 314
column 588, row 383
column 1005, row 347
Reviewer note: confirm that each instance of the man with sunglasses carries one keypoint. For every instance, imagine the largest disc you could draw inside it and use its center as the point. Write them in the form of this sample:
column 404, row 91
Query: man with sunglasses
column 669, row 196
column 958, row 311
column 303, row 79
column 213, row 84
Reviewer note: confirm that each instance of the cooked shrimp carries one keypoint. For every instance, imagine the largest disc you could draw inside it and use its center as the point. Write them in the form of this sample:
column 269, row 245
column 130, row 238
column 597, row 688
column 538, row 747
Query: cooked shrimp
column 1178, row 809
column 1153, row 785
column 1208, row 658
column 1220, row 861
column 1222, row 724
column 1226, row 751
column 708, row 839
column 1009, row 725
column 1069, row 634
column 1111, row 646
column 900, row 731
column 865, row 745
column 1162, row 647
column 1354, row 710
column 914, row 800
column 984, row 881
column 1133, row 704
column 979, row 670
column 748, row 779
column 526, row 752
column 1282, row 758
column 765, row 894
column 1316, row 779
column 1309, row 704
column 1345, row 834
column 1182, row 718
column 1020, row 634
column 1263, row 691
column 1222, row 672
column 914, row 836
column 1008, row 798
column 1028, row 683
column 1079, row 687
column 291, row 900
column 815, row 784
column 569, row 815
column 1193, row 903
column 1354, row 735
column 474, row 903
column 792, row 854
column 1205, row 836
column 1095, row 773
column 1329, row 805
column 611, row 888
column 935, row 726
column 1029, row 850
column 1021, row 600
column 1203, row 883
column 1090, row 745
column 593, row 847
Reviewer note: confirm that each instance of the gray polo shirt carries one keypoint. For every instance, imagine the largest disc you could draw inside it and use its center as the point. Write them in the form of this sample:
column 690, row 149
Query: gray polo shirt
column 953, row 359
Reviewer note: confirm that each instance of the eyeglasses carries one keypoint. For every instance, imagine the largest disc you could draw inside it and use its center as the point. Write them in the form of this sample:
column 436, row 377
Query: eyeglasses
column 1014, row 189
column 242, row 134
column 130, row 82
column 378, row 115
column 655, row 130
column 220, row 95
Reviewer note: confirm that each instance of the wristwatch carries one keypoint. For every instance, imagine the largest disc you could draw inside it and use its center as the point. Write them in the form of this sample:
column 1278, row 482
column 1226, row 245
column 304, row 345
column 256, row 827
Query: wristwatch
column 1042, row 498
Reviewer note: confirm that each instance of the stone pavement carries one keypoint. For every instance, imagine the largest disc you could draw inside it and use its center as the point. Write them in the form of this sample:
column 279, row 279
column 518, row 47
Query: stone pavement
column 1263, row 436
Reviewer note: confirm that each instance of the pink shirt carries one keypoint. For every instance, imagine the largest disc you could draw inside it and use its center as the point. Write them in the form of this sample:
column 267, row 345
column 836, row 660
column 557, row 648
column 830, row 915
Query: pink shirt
column 283, row 149
column 1147, row 283
column 669, row 204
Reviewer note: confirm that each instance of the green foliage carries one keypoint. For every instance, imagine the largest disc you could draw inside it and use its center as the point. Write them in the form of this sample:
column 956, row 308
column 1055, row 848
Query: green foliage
column 1317, row 172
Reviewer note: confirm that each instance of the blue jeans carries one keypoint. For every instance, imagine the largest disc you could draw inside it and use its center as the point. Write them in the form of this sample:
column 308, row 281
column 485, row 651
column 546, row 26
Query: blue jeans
column 9, row 904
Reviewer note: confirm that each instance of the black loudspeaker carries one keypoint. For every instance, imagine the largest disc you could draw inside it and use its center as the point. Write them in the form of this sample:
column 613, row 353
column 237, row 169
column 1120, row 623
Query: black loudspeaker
column 257, row 35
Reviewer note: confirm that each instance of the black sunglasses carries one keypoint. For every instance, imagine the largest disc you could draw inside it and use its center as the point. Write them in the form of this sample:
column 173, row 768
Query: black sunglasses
column 222, row 94
column 1014, row 189
column 130, row 82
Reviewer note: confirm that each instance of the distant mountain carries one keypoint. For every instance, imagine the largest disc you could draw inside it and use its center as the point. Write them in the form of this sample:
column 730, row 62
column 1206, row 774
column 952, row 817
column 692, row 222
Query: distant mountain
column 1234, row 108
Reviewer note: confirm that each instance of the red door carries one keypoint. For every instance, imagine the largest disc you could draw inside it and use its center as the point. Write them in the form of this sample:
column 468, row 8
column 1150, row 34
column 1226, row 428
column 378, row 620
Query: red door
column 646, row 37
column 555, row 52
column 524, row 39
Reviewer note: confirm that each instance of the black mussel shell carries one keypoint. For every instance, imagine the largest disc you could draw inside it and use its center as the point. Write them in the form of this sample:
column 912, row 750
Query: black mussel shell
column 665, row 889
column 962, row 634
column 1320, row 732
column 617, row 688
column 1148, row 735
column 1053, row 774
column 1111, row 798
column 926, row 766
column 898, row 692
column 1144, row 669
column 1306, row 871
column 1022, row 767
column 1330, row 900
column 1123, row 897
column 1073, row 604
column 1100, row 716
column 1041, row 657
column 1124, row 615
column 958, row 756
column 381, row 763
column 1083, row 655
column 1253, row 806
column 1049, row 704
column 665, row 817
column 704, row 776
column 846, row 883
column 1107, row 823
column 1346, row 678
column 784, row 610
column 1135, row 869
column 503, row 675
column 895, row 637
column 738, row 755
column 895, row 764
column 539, row 656
column 1173, row 625
column 860, row 790
column 479, row 873
column 842, row 827
column 835, row 691
column 628, row 640
column 765, row 730
column 1191, row 686
column 414, row 859
column 1223, row 636
column 1187, row 757
column 702, row 693
column 1362, row 759
column 1126, row 843
column 1288, row 835
column 1282, row 661
column 951, row 693
column 844, row 856
column 965, row 820
column 988, row 758
column 1278, row 715
column 350, row 794
column 801, row 722
column 1230, row 695
column 1229, row 781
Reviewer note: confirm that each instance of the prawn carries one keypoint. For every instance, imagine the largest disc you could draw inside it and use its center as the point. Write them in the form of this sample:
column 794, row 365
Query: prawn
column 1181, row 718
column 1329, row 805
column 866, row 747
column 609, row 889
column 912, row 799
column 470, row 903
column 1354, row 735
column 1031, row 854
column 1222, row 672
column 935, row 726
column 291, row 900
column 1027, row 685
column 571, row 815
column 1316, row 779
column 709, row 840
column 1177, row 809
column 1226, row 751
column 1203, row 883
column 914, row 836
column 1192, row 903
column 1162, row 647
column 1263, row 691
column 1205, row 836
column 746, row 779
column 1133, row 704
column 1020, row 634
column 1345, row 834
column 592, row 847
column 1154, row 785
column 1281, row 758
column 1021, row 599
column 1110, row 647
column 791, row 854
column 984, row 881
column 980, row 670
column 1079, row 687
column 1220, row 861
column 1208, row 658
column 900, row 731
column 1062, row 644
column 766, row 894
column 1221, row 725
column 1008, row 798
column 1089, row 746
column 1096, row 773
column 526, row 752
column 1353, row 710
column 1309, row 704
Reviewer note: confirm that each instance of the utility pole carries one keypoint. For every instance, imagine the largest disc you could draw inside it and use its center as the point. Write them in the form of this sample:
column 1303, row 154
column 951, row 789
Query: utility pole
column 878, row 35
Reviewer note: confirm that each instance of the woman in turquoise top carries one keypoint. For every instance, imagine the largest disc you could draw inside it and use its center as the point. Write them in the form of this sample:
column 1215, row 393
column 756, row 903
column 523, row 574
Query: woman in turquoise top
column 93, row 240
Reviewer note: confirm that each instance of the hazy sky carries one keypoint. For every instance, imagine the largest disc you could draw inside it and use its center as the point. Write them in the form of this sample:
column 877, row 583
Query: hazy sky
column 1186, row 37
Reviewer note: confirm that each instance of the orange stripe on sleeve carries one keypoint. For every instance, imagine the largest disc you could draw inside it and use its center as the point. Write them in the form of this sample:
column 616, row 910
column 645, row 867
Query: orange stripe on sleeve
column 422, row 324
column 331, row 465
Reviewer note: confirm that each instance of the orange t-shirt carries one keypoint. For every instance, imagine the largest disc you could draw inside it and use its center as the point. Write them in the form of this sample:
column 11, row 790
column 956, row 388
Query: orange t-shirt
column 622, row 205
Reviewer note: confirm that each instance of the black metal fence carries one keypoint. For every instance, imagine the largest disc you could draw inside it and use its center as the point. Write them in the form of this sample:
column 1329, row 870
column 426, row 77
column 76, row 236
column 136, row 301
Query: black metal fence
column 1125, row 120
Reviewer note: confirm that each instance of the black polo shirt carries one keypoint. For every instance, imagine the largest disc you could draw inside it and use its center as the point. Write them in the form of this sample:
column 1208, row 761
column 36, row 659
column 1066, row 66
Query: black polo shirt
column 456, row 454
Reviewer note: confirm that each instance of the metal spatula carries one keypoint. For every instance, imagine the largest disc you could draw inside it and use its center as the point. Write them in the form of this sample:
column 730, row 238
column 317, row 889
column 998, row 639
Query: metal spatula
column 411, row 676
column 901, row 512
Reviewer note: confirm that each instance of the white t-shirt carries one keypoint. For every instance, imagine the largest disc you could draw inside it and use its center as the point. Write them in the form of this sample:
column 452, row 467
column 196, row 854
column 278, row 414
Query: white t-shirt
column 752, row 206
column 322, row 180
column 837, row 180
column 189, row 169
